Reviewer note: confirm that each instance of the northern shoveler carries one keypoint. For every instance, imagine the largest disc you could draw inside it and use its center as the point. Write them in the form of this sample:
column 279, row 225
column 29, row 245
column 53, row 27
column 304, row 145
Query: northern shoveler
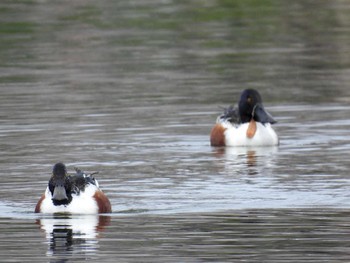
column 247, row 125
column 78, row 193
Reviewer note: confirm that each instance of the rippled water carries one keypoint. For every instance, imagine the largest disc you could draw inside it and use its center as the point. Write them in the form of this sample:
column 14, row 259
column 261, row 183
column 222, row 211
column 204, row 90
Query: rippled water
column 131, row 89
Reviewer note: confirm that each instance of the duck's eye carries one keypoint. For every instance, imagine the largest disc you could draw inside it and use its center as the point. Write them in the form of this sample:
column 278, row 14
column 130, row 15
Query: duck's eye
column 249, row 99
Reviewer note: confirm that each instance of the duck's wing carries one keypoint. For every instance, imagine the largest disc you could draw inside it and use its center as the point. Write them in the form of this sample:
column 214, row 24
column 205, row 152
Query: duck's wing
column 80, row 180
column 230, row 114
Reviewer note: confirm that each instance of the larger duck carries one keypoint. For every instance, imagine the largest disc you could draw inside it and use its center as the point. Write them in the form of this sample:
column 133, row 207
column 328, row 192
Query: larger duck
column 77, row 193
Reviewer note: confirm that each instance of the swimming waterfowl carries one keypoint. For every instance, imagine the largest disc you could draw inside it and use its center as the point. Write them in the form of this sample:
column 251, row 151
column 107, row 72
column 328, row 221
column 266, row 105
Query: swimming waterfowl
column 247, row 125
column 78, row 193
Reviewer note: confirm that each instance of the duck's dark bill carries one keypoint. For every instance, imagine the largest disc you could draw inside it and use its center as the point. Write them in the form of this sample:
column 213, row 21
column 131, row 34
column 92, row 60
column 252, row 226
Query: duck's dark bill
column 261, row 115
column 59, row 193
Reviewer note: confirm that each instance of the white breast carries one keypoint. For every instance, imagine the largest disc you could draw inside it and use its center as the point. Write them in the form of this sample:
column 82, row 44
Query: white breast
column 84, row 203
column 237, row 135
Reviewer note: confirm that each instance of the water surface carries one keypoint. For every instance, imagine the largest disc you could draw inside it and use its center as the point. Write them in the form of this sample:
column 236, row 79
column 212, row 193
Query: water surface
column 131, row 89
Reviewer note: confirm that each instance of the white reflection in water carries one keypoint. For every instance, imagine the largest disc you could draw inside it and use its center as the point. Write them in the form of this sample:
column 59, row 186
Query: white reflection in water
column 76, row 235
column 248, row 175
column 247, row 160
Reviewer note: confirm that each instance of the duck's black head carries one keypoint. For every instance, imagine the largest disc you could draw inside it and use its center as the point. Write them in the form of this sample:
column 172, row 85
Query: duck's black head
column 251, row 107
column 59, row 170
column 59, row 185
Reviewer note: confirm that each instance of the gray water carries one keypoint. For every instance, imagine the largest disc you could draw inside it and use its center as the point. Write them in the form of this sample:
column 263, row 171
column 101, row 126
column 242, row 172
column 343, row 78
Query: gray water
column 132, row 88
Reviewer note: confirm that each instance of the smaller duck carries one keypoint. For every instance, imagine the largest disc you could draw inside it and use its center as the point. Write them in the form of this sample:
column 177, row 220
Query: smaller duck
column 247, row 125
column 78, row 193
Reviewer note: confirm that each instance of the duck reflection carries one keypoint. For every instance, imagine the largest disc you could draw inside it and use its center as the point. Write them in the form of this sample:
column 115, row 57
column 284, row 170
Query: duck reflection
column 249, row 159
column 76, row 235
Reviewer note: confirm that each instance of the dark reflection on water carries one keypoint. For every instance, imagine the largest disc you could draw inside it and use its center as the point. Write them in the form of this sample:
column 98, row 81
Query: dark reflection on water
column 69, row 235
column 253, row 235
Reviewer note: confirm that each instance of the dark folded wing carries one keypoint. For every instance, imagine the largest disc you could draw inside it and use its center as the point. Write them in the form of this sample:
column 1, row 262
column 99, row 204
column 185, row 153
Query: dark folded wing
column 230, row 114
column 80, row 180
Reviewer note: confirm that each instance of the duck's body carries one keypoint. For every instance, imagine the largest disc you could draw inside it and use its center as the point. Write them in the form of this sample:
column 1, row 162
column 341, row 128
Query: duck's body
column 77, row 194
column 247, row 125
column 228, row 134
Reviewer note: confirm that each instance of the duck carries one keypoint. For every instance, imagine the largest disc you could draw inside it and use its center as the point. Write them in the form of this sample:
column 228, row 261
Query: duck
column 77, row 193
column 249, row 124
